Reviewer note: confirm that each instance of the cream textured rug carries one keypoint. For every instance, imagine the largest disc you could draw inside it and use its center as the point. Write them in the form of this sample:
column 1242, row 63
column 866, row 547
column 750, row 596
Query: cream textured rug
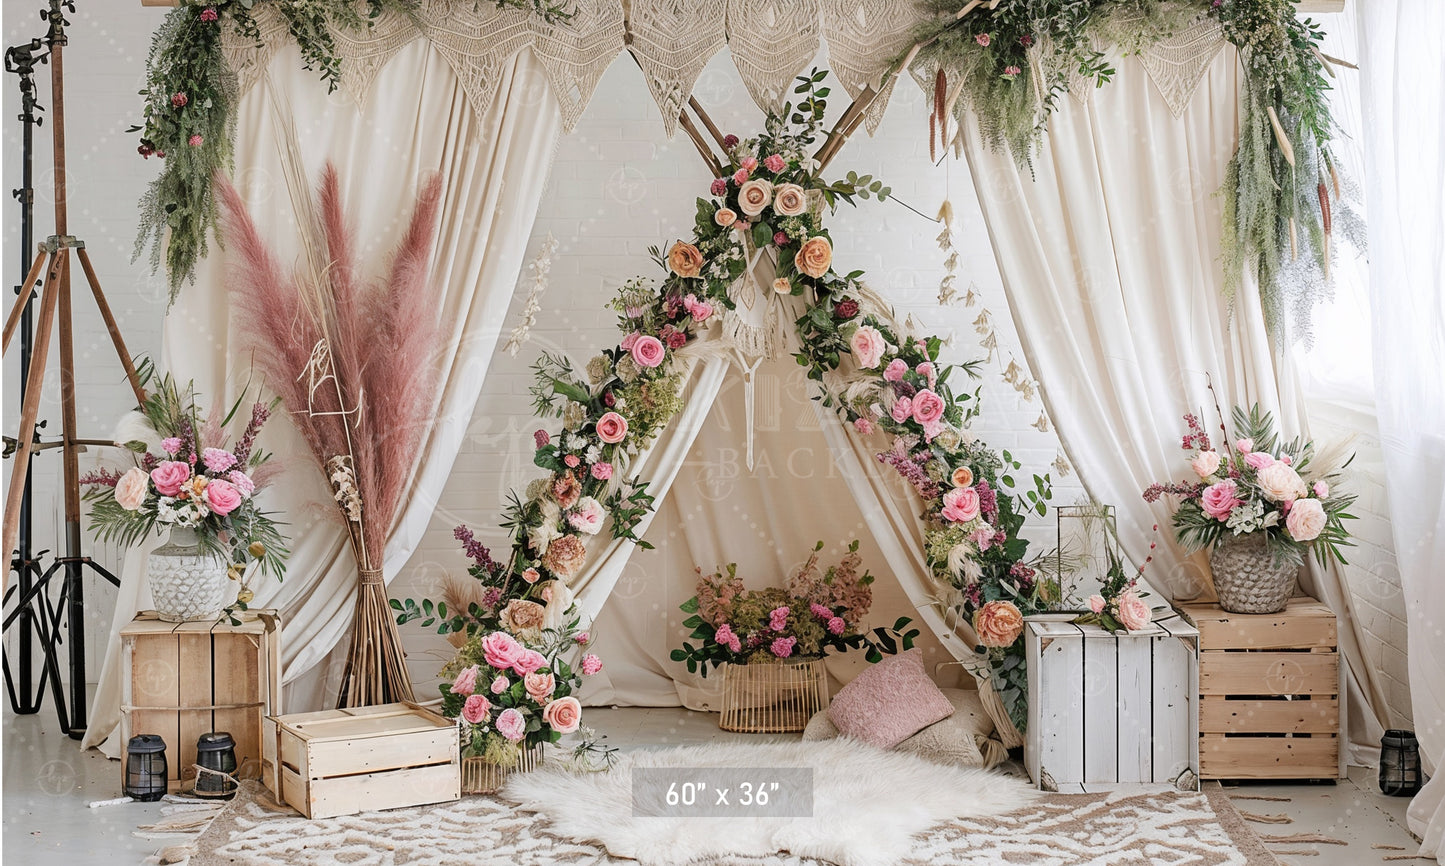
column 1060, row 830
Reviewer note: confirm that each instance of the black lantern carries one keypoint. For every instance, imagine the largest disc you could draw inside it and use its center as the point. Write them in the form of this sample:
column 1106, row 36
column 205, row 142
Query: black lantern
column 216, row 752
column 145, row 768
column 1400, row 773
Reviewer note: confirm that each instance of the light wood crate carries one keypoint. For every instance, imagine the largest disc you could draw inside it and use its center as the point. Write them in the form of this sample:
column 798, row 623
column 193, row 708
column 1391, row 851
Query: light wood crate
column 1109, row 709
column 772, row 698
column 181, row 680
column 1271, row 693
column 340, row 762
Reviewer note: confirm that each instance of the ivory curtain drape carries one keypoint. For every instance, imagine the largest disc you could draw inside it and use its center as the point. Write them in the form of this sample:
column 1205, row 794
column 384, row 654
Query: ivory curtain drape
column 1109, row 255
column 416, row 119
column 1402, row 99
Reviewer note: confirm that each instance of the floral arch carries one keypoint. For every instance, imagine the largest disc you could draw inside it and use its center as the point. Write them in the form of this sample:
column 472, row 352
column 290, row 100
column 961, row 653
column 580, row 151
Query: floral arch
column 757, row 281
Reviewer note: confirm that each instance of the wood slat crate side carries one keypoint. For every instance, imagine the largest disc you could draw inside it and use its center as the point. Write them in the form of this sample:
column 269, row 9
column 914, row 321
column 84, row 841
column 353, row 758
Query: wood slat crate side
column 1268, row 757
column 1268, row 673
column 377, row 754
column 236, row 662
column 1222, row 716
column 346, row 795
column 1305, row 623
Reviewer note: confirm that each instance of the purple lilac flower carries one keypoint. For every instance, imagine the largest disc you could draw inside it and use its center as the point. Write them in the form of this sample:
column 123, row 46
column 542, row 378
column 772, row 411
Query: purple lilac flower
column 259, row 413
column 911, row 472
column 475, row 550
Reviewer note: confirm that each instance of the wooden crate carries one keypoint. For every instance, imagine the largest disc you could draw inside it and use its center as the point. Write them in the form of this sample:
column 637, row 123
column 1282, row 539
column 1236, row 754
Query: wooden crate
column 1271, row 693
column 1106, row 709
column 181, row 680
column 339, row 762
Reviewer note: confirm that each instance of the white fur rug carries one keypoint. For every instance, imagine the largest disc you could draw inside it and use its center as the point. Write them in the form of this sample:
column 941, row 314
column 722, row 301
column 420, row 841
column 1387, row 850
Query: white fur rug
column 867, row 804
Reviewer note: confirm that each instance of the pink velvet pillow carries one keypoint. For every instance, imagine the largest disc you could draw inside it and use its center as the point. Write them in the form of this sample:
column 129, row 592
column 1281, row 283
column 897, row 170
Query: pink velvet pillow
column 889, row 702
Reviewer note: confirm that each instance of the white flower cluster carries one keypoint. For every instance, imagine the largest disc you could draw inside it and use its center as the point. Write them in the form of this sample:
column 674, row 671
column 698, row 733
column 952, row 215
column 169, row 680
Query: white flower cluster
column 181, row 512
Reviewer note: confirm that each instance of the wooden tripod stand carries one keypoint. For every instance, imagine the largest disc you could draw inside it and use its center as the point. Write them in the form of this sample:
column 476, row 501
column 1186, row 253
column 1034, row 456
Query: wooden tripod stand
column 54, row 258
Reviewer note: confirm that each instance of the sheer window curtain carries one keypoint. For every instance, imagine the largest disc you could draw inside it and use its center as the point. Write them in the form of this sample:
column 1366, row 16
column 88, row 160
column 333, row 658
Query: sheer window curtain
column 416, row 120
column 1110, row 259
column 1402, row 97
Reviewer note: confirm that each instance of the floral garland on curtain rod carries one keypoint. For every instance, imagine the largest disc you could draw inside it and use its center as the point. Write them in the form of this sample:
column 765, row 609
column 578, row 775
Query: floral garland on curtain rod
column 190, row 106
column 1008, row 63
column 888, row 385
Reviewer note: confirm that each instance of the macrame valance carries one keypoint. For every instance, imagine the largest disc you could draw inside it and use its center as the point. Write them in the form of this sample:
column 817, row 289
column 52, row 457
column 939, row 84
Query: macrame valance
column 672, row 41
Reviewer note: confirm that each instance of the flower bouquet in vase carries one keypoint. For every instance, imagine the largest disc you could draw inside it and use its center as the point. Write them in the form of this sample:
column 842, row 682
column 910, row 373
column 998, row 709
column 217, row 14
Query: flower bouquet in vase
column 191, row 482
column 1258, row 505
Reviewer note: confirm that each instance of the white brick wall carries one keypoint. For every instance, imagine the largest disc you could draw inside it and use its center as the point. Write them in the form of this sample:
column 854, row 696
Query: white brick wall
column 617, row 186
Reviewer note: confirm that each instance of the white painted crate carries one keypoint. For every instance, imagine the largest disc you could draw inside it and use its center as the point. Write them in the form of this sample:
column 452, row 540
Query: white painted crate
column 1107, row 710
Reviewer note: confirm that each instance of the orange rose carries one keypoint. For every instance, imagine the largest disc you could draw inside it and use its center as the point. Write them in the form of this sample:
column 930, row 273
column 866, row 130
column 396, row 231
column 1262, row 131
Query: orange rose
column 725, row 216
column 998, row 624
column 684, row 260
column 782, row 286
column 814, row 257
column 962, row 477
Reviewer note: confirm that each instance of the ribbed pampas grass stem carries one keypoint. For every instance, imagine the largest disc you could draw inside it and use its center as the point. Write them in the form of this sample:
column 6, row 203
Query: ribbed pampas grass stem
column 352, row 362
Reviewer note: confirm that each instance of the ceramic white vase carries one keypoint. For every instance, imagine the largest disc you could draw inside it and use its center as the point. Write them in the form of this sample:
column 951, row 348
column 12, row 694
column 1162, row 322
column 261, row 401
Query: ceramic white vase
column 187, row 582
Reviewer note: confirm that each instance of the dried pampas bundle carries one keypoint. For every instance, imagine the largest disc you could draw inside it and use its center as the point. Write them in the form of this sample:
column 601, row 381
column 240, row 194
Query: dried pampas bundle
column 353, row 363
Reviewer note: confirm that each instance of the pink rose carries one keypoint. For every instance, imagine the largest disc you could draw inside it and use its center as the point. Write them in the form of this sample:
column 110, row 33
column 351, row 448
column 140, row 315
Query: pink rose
column 902, row 409
column 1322, row 489
column 701, row 311
column 512, row 725
column 782, row 647
column 611, row 428
column 572, row 461
column 477, row 709
column 529, row 662
column 591, row 664
column 1219, row 499
column 629, row 341
column 531, row 575
column 836, row 625
column 1306, row 520
column 749, row 163
column 719, row 186
column 1258, row 459
column 1134, row 614
column 179, row 100
column 775, row 163
column 1205, row 463
column 895, row 370
column 648, row 351
column 982, row 39
column 500, row 684
column 926, row 370
column 602, row 471
column 540, row 686
column 243, row 482
column 961, row 505
column 466, row 681
column 867, row 344
column 1096, row 603
column 131, row 489
column 588, row 517
column 563, row 715
column 500, row 650
column 927, row 407
column 863, row 425
column 780, row 238
column 1244, row 446
column 170, row 475
column 172, row 444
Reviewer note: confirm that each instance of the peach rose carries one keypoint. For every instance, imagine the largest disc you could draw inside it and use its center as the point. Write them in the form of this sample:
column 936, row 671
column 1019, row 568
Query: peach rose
column 1134, row 614
column 725, row 216
column 1306, row 520
column 867, row 344
column 131, row 489
column 1205, row 463
column 961, row 477
column 998, row 624
column 540, row 686
column 563, row 714
column 814, row 257
column 684, row 260
column 521, row 615
column 1280, row 482
column 782, row 286
column 611, row 428
column 789, row 199
column 755, row 195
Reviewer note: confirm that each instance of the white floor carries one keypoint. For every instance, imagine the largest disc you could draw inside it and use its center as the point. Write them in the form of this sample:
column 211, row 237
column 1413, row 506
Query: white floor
column 49, row 784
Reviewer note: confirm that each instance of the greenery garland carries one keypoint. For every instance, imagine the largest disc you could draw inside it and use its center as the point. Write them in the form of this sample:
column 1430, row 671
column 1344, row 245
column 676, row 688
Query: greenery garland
column 1008, row 63
column 190, row 99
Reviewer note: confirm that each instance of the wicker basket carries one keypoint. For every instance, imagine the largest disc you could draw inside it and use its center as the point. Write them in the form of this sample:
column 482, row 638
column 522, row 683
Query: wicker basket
column 1247, row 578
column 480, row 776
column 772, row 698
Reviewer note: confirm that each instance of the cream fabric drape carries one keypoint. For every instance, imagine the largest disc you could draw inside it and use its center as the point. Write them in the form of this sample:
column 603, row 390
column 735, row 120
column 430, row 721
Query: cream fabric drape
column 1402, row 97
column 416, row 120
column 1110, row 258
